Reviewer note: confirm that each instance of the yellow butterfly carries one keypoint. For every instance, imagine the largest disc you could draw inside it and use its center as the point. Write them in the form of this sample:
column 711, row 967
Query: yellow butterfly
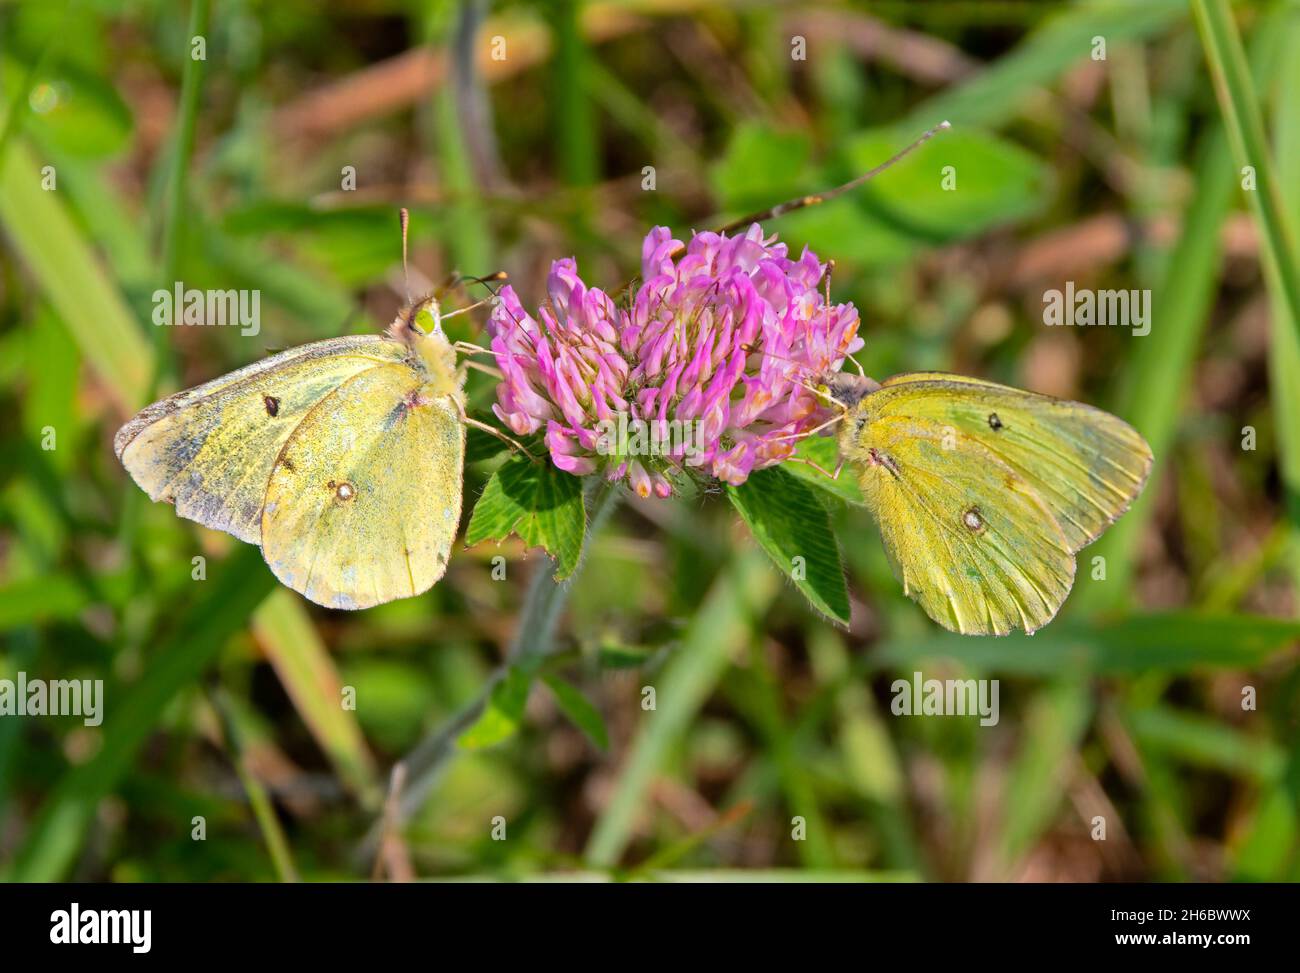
column 984, row 493
column 342, row 459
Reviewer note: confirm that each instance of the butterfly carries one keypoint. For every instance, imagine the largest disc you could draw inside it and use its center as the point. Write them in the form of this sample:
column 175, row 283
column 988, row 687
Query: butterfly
column 984, row 493
column 342, row 459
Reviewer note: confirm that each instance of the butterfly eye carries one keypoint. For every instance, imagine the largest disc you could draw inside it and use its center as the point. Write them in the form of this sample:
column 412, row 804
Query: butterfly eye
column 425, row 322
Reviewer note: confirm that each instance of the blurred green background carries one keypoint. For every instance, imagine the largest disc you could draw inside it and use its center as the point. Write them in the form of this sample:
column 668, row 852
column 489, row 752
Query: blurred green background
column 518, row 133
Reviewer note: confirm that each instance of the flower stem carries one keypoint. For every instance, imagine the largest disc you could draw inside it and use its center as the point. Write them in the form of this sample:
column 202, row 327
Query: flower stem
column 534, row 639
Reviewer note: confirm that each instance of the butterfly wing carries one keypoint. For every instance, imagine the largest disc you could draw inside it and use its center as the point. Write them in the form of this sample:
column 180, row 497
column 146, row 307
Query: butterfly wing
column 1087, row 465
column 210, row 449
column 364, row 499
column 972, row 542
column 984, row 493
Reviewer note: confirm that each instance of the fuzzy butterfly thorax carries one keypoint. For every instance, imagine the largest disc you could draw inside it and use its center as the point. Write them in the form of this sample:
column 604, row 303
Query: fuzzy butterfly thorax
column 848, row 389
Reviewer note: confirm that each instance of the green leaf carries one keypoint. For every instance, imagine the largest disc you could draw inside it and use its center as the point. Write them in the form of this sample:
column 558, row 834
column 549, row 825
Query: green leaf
column 41, row 599
column 825, row 452
column 792, row 526
column 579, row 709
column 761, row 166
column 958, row 184
column 70, row 109
column 504, row 712
column 537, row 501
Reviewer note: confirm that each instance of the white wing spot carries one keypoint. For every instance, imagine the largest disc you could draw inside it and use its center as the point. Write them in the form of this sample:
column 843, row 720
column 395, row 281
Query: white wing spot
column 972, row 519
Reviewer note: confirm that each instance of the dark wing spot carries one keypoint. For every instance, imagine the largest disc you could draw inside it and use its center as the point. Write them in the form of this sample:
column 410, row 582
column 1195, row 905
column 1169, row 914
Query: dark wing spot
column 287, row 464
column 272, row 405
column 994, row 422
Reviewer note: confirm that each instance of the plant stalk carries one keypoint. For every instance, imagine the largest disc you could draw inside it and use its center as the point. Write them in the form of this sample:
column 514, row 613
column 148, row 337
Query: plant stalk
column 534, row 639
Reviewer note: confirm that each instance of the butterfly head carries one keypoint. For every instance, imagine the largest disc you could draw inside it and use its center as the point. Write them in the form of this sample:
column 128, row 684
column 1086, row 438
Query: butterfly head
column 419, row 327
column 846, row 389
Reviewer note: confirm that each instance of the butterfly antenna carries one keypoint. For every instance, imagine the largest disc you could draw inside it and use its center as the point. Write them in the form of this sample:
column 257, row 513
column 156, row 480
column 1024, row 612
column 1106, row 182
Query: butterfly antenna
column 457, row 279
column 404, row 219
column 469, row 307
column 801, row 202
column 488, row 281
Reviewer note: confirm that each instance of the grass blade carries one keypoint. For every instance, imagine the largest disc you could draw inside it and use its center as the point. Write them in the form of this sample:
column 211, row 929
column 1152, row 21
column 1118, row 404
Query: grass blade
column 1169, row 643
column 1239, row 103
column 290, row 640
column 73, row 279
column 52, row 845
column 1153, row 389
column 997, row 93
column 720, row 627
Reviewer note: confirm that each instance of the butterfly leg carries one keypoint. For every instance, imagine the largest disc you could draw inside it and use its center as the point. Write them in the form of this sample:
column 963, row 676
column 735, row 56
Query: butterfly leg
column 819, row 468
column 804, row 435
column 512, row 443
column 479, row 366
